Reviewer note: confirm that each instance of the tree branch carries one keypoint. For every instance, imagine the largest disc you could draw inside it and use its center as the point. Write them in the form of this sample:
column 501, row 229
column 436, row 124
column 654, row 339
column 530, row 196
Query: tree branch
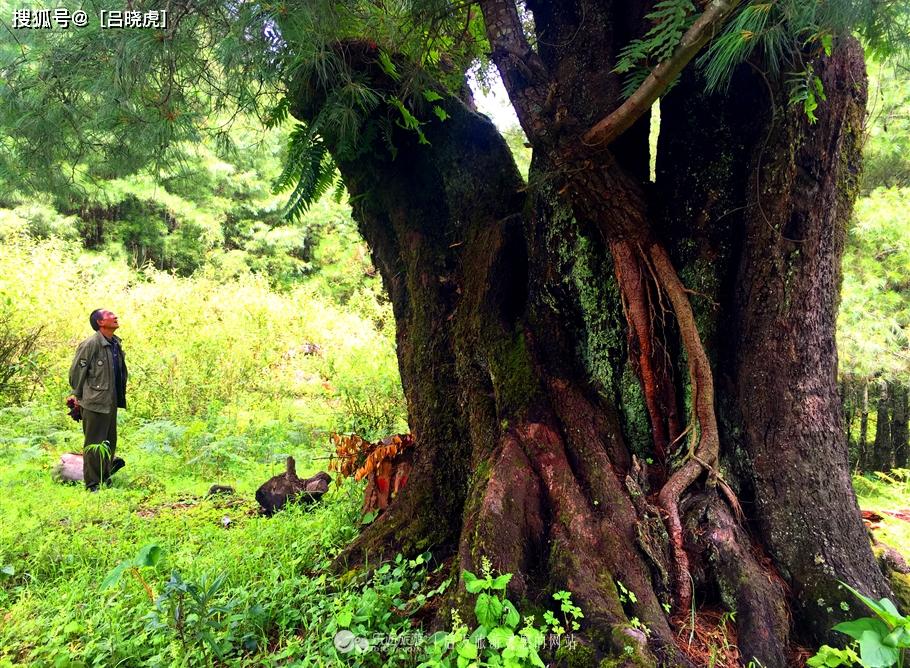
column 704, row 28
column 523, row 72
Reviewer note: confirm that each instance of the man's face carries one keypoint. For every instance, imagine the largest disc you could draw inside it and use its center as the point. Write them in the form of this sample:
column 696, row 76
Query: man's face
column 108, row 321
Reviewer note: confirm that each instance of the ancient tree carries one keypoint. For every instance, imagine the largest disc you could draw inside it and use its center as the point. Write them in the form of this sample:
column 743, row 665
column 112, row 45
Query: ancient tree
column 611, row 378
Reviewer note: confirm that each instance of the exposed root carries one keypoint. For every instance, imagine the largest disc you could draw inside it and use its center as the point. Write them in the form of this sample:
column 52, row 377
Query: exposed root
column 575, row 541
column 589, row 545
column 506, row 524
column 706, row 452
column 748, row 585
column 631, row 534
column 669, row 503
column 732, row 499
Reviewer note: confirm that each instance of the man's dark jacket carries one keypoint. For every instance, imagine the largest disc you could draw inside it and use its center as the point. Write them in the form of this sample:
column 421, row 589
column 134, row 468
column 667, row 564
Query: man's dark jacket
column 92, row 374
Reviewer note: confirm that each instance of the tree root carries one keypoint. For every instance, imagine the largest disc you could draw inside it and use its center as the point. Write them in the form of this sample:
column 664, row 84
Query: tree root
column 747, row 587
column 655, row 378
column 705, row 454
column 553, row 512
column 506, row 524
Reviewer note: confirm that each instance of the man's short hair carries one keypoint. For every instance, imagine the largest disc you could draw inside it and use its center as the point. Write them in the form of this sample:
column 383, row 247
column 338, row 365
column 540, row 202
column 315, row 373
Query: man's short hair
column 95, row 317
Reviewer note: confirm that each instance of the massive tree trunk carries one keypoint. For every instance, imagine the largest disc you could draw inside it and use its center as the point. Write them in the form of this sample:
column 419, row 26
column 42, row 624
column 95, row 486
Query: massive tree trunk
column 804, row 183
column 552, row 337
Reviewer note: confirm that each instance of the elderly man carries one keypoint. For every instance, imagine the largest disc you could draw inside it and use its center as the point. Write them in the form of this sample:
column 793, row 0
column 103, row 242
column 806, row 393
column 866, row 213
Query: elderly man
column 98, row 378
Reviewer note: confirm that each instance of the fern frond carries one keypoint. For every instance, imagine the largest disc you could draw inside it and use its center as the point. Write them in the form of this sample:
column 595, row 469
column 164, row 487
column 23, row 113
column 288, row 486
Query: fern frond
column 278, row 114
column 670, row 19
column 299, row 143
column 633, row 80
column 309, row 168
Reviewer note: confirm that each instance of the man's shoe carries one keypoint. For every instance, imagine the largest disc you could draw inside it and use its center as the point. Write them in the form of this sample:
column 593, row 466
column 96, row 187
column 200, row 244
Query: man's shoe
column 92, row 488
column 116, row 464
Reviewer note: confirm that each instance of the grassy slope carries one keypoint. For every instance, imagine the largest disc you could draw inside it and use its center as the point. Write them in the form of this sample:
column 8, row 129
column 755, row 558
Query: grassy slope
column 886, row 493
column 220, row 392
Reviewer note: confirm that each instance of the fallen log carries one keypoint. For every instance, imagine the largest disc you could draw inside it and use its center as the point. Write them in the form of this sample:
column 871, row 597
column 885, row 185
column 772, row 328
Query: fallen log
column 286, row 488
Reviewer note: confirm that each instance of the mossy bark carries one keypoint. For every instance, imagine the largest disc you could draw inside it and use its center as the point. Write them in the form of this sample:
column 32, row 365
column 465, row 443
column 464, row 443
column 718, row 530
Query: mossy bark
column 762, row 226
column 804, row 182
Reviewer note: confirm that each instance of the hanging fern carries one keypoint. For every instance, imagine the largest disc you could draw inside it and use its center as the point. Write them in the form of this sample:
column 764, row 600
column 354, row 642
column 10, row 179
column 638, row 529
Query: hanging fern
column 806, row 89
column 309, row 168
column 783, row 38
column 277, row 114
column 780, row 37
column 670, row 19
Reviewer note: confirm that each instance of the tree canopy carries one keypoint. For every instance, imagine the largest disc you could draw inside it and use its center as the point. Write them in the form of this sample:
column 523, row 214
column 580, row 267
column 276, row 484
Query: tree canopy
column 84, row 102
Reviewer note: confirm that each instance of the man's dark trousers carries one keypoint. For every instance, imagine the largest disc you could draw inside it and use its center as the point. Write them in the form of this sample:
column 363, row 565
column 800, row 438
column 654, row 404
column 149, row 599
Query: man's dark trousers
column 98, row 428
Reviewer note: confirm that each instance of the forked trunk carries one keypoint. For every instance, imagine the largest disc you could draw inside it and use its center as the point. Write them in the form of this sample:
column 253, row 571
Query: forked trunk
column 534, row 404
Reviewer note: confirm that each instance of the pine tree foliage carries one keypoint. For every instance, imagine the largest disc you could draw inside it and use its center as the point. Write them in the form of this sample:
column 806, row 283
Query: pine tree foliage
column 874, row 318
column 886, row 159
column 96, row 104
column 753, row 26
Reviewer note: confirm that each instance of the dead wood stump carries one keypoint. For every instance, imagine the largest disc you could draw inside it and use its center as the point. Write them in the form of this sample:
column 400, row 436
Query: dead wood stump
column 286, row 488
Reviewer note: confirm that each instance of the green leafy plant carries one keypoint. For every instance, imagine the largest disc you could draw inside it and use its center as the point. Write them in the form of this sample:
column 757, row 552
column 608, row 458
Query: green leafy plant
column 197, row 614
column 501, row 638
column 881, row 639
column 831, row 657
column 669, row 19
column 806, row 89
column 370, row 624
column 147, row 557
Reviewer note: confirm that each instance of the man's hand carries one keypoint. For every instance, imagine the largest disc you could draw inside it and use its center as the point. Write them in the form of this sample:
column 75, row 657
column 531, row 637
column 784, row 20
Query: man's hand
column 75, row 410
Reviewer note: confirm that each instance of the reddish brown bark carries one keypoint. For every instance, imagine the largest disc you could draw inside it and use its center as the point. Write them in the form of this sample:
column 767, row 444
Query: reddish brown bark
column 644, row 314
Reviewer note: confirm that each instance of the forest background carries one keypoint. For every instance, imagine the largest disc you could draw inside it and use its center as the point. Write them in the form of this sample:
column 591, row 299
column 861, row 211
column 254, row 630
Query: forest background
column 251, row 337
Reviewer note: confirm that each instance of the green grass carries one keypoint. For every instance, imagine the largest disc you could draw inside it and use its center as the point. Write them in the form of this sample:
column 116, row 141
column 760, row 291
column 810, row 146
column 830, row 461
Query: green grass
column 57, row 542
column 220, row 392
column 883, row 492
